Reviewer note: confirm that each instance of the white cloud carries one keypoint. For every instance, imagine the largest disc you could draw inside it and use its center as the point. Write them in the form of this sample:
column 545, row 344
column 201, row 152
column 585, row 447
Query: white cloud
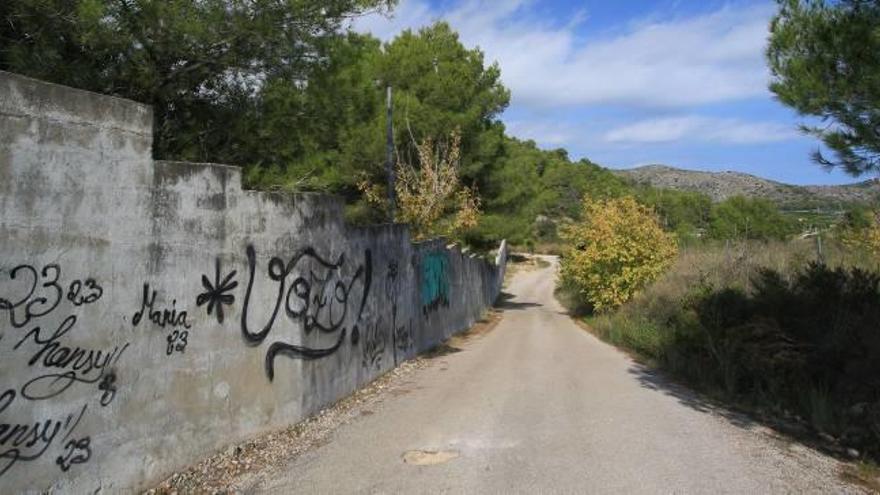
column 697, row 128
column 407, row 15
column 546, row 133
column 710, row 58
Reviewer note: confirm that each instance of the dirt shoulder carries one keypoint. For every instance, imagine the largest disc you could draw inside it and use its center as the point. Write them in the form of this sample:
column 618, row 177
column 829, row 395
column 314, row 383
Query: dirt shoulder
column 244, row 464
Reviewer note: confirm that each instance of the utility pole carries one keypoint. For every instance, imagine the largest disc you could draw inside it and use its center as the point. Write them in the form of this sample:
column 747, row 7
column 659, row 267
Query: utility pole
column 389, row 155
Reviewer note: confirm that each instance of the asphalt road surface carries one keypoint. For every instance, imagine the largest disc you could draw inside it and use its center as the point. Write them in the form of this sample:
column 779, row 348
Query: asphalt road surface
column 538, row 405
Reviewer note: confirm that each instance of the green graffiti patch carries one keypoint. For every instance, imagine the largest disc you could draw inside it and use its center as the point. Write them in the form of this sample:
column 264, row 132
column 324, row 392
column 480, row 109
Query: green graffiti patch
column 435, row 281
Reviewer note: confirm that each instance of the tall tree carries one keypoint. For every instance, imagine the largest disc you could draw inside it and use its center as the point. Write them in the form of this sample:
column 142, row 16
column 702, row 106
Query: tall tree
column 201, row 65
column 441, row 87
column 322, row 134
column 825, row 58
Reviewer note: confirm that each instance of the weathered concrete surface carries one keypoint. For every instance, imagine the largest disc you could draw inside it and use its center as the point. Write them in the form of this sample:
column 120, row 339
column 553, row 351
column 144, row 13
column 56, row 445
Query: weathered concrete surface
column 152, row 312
column 540, row 406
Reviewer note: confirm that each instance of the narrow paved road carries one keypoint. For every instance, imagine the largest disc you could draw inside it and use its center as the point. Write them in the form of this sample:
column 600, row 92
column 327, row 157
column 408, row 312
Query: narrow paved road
column 538, row 405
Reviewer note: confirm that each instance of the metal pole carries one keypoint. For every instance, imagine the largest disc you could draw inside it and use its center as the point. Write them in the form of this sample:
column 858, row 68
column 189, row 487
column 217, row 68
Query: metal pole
column 389, row 155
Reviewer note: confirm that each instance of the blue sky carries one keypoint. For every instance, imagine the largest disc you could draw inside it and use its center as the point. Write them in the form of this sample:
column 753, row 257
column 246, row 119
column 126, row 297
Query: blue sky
column 631, row 82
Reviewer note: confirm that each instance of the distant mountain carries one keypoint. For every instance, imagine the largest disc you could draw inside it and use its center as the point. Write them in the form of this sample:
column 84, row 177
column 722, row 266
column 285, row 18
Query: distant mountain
column 722, row 185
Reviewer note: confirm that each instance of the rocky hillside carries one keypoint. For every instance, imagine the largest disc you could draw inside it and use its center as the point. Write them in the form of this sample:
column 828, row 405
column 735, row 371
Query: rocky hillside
column 722, row 185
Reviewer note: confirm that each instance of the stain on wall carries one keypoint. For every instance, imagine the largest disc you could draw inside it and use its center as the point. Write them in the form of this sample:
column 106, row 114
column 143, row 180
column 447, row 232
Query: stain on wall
column 152, row 312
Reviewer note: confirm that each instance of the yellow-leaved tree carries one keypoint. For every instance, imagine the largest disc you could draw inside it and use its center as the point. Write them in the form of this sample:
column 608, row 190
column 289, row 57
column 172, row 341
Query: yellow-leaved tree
column 865, row 234
column 430, row 195
column 616, row 250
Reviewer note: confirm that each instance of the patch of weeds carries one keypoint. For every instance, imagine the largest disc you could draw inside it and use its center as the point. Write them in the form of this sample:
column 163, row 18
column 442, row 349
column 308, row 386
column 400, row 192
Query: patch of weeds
column 864, row 473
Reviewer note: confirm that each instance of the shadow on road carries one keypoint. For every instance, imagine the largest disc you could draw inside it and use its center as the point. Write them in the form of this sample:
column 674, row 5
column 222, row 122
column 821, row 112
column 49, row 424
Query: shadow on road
column 505, row 303
column 795, row 431
column 655, row 380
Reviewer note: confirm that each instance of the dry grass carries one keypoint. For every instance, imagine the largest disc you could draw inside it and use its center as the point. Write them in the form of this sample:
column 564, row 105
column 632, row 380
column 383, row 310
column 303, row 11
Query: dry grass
column 736, row 263
column 865, row 474
column 732, row 264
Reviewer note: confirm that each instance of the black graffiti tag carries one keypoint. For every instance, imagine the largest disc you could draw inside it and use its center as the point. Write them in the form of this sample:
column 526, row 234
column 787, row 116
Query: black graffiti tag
column 216, row 293
column 401, row 336
column 108, row 387
column 35, row 302
column 84, row 292
column 76, row 452
column 25, row 442
column 42, row 293
column 160, row 317
column 177, row 321
column 318, row 296
column 78, row 364
column 374, row 343
column 29, row 294
column 177, row 341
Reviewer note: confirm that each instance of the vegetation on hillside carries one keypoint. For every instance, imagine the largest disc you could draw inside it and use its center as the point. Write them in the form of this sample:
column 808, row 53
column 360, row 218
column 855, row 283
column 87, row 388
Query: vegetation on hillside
column 532, row 192
column 744, row 218
column 722, row 185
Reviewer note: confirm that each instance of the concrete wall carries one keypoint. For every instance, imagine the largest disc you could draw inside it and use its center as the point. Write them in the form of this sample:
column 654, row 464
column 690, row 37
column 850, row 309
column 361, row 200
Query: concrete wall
column 152, row 312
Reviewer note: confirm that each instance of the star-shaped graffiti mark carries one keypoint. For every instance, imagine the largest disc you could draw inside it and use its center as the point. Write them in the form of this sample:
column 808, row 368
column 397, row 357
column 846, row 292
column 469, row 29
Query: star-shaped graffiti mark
column 215, row 294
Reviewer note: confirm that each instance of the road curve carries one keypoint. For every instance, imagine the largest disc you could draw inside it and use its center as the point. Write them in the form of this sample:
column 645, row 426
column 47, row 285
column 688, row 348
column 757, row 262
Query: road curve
column 538, row 405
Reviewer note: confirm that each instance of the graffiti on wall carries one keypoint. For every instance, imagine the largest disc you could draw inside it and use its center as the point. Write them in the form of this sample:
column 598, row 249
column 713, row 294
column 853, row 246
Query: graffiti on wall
column 401, row 335
column 319, row 292
column 434, row 281
column 176, row 321
column 217, row 293
column 373, row 342
column 309, row 306
column 43, row 312
column 383, row 326
column 40, row 314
